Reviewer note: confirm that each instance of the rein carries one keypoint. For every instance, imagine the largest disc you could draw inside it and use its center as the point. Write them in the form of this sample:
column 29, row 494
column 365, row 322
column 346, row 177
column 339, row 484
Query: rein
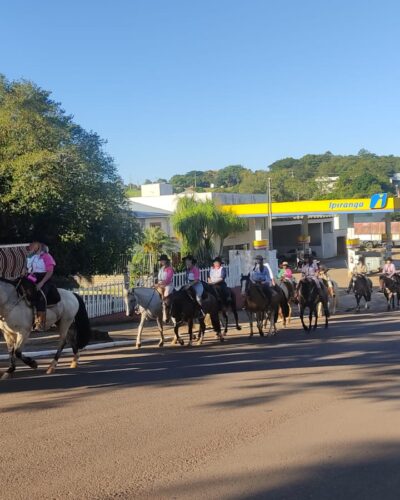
column 151, row 298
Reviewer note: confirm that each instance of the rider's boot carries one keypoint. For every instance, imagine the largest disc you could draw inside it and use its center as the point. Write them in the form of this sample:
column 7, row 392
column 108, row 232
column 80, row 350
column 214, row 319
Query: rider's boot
column 40, row 321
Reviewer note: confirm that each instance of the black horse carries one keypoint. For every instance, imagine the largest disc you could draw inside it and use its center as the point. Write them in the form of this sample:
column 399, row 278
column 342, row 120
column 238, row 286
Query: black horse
column 226, row 301
column 362, row 289
column 309, row 297
column 183, row 308
column 391, row 288
column 256, row 302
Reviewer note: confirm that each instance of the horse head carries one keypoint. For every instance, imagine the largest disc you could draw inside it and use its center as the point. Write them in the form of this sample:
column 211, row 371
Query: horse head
column 244, row 283
column 130, row 301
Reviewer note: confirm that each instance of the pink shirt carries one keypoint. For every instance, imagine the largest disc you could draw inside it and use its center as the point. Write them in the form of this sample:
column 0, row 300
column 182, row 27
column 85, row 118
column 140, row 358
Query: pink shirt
column 389, row 269
column 166, row 275
column 41, row 263
column 193, row 274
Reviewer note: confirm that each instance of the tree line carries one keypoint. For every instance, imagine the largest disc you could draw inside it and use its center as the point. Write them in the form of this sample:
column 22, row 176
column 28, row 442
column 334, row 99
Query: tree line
column 299, row 179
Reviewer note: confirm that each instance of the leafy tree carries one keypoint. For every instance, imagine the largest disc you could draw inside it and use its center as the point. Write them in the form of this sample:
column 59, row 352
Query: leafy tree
column 153, row 242
column 202, row 225
column 58, row 184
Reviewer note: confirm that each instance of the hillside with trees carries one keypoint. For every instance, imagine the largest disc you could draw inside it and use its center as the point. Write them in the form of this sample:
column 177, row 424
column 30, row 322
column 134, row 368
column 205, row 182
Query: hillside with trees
column 300, row 179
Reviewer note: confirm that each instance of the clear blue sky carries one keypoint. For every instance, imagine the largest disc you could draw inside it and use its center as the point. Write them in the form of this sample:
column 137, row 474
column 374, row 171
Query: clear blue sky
column 177, row 85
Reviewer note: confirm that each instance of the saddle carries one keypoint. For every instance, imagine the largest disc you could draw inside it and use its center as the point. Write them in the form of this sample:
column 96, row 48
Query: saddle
column 25, row 288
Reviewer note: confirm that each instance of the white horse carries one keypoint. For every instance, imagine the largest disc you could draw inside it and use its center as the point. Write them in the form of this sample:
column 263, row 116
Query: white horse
column 149, row 303
column 16, row 319
column 333, row 298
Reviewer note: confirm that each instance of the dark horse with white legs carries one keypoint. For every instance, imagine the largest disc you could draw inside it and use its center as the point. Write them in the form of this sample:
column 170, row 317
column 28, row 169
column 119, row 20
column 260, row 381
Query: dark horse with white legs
column 362, row 289
column 391, row 288
column 183, row 308
column 226, row 302
column 16, row 320
column 309, row 297
column 257, row 303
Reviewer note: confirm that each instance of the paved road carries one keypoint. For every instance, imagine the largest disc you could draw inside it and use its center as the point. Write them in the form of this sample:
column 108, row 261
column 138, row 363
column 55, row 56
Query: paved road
column 302, row 416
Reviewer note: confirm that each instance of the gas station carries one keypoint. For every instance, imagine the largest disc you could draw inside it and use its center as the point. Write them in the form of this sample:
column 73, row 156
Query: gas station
column 342, row 211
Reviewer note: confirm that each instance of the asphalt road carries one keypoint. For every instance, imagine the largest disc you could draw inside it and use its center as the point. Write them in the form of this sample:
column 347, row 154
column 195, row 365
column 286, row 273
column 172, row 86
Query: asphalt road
column 297, row 416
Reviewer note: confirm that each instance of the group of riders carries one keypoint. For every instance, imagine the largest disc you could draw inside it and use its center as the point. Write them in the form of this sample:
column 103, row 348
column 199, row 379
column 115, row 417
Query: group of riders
column 40, row 268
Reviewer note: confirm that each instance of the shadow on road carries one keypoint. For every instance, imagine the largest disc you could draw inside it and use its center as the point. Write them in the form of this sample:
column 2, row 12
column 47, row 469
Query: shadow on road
column 376, row 351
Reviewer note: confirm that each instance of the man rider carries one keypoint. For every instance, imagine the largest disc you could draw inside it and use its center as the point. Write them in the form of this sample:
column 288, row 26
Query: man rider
column 262, row 274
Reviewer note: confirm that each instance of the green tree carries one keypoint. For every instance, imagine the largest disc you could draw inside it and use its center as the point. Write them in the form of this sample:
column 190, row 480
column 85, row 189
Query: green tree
column 202, row 227
column 153, row 242
column 58, row 184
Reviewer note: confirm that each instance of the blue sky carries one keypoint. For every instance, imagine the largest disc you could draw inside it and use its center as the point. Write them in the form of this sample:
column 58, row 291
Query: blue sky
column 177, row 85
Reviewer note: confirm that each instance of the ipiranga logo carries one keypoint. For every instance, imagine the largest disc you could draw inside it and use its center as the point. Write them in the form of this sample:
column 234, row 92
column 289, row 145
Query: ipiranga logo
column 378, row 200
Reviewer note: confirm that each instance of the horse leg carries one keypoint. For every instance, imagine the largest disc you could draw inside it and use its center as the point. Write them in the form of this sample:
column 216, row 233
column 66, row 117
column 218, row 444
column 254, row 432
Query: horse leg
column 26, row 359
column 302, row 319
column 11, row 365
column 260, row 320
column 140, row 330
column 161, row 330
column 202, row 329
column 52, row 367
column 235, row 314
column 190, row 331
column 225, row 316
column 250, row 316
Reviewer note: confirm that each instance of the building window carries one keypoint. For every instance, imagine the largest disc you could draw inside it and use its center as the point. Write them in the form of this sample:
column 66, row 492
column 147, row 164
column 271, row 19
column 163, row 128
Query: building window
column 155, row 224
column 327, row 227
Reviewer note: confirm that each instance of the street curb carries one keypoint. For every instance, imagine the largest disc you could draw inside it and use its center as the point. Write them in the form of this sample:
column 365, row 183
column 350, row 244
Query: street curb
column 92, row 347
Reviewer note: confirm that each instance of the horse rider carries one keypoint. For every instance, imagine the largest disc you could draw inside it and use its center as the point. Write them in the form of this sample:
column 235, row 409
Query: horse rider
column 359, row 269
column 193, row 279
column 285, row 273
column 389, row 270
column 40, row 265
column 165, row 281
column 324, row 276
column 217, row 279
column 310, row 270
column 262, row 274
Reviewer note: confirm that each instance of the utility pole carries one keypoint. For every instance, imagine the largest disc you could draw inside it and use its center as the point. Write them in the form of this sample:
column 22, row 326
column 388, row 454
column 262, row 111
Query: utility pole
column 269, row 209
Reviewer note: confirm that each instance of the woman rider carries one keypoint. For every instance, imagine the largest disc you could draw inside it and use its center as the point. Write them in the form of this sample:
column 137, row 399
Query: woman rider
column 193, row 278
column 40, row 265
column 165, row 284
column 285, row 273
column 217, row 279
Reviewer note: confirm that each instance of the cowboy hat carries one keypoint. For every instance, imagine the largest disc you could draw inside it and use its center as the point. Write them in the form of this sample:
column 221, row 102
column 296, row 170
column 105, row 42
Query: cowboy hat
column 217, row 259
column 163, row 257
column 189, row 257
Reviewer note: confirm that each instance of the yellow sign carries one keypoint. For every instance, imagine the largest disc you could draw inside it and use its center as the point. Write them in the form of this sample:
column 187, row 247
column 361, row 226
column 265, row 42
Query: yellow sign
column 354, row 242
column 260, row 244
column 304, row 239
column 317, row 207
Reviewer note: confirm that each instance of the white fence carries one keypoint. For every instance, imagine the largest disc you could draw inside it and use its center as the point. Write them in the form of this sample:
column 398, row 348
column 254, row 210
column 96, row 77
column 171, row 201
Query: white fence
column 102, row 300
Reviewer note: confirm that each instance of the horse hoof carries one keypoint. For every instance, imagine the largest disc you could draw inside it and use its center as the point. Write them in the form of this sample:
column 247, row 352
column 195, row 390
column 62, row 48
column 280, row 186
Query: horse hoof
column 138, row 346
column 261, row 334
column 5, row 376
column 33, row 364
column 181, row 342
column 173, row 341
column 238, row 327
column 50, row 370
column 161, row 344
column 221, row 339
column 74, row 364
column 189, row 344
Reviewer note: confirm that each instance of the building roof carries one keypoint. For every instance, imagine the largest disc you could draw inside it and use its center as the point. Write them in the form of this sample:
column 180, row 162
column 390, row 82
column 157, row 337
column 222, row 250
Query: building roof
column 143, row 211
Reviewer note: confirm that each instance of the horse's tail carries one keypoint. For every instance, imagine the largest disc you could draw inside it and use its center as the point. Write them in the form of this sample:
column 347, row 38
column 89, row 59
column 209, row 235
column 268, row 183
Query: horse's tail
column 83, row 330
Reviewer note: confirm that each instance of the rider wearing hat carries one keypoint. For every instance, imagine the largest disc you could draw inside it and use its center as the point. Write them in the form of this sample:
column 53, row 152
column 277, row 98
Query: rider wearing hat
column 165, row 283
column 359, row 269
column 285, row 273
column 40, row 265
column 193, row 278
column 262, row 274
column 389, row 270
column 310, row 270
column 217, row 278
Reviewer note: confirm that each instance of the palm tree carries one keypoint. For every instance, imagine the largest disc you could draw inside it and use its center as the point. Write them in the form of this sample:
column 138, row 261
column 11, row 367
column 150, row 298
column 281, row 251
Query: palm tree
column 200, row 225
